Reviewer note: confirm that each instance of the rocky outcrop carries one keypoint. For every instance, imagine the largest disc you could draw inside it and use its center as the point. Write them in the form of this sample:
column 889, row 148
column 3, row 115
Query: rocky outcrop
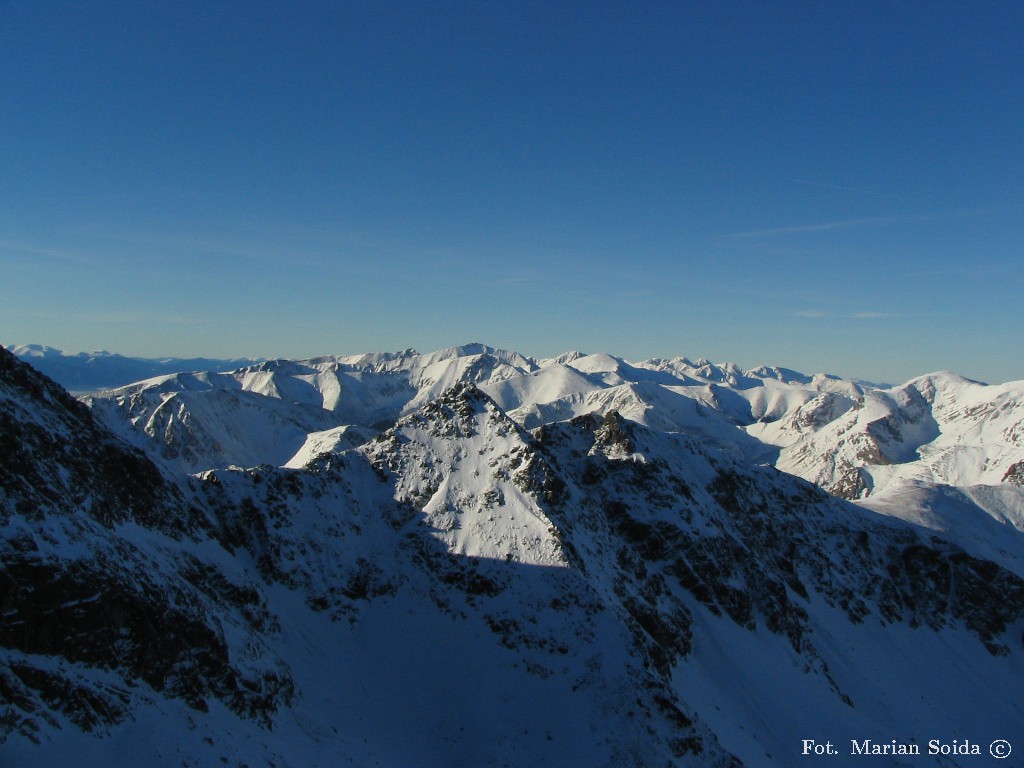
column 100, row 573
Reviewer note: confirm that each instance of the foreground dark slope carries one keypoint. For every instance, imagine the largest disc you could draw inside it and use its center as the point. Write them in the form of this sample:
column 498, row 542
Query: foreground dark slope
column 104, row 587
column 593, row 593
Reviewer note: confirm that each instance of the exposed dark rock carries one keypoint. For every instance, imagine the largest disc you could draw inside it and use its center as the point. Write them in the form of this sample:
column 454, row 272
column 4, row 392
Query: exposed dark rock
column 72, row 588
column 1015, row 474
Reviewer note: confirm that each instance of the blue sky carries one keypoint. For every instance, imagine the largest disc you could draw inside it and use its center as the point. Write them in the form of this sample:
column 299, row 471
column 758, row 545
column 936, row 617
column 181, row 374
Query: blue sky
column 826, row 186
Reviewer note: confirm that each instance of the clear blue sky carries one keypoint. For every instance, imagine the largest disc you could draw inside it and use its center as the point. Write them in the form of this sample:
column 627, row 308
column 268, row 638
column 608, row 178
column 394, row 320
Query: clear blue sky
column 822, row 185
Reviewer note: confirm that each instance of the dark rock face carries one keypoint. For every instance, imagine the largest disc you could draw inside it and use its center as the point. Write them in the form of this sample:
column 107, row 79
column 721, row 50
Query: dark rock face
column 1015, row 474
column 56, row 458
column 752, row 544
column 73, row 587
column 97, row 613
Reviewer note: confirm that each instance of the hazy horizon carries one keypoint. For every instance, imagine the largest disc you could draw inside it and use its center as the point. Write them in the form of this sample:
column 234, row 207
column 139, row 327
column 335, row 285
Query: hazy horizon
column 694, row 358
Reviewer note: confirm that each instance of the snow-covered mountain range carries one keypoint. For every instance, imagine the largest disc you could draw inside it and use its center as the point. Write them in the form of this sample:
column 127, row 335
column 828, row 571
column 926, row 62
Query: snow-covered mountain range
column 914, row 443
column 479, row 558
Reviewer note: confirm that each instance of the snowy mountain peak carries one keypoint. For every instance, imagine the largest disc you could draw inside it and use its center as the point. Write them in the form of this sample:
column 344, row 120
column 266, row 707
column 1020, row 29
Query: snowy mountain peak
column 474, row 474
column 563, row 359
column 32, row 350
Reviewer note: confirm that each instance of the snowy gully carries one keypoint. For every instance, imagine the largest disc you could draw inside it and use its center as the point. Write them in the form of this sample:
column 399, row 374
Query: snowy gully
column 999, row 749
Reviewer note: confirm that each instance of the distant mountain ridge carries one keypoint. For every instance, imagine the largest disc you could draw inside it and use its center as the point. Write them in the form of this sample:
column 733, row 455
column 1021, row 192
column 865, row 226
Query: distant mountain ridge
column 87, row 371
column 374, row 389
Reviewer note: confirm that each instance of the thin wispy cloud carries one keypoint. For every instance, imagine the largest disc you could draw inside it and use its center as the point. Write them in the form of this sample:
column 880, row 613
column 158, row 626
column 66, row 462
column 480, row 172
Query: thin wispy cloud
column 843, row 188
column 123, row 318
column 862, row 223
column 243, row 249
column 120, row 318
column 871, row 221
column 817, row 314
column 31, row 249
column 984, row 269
